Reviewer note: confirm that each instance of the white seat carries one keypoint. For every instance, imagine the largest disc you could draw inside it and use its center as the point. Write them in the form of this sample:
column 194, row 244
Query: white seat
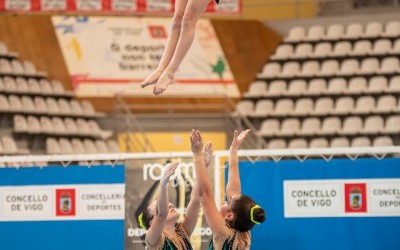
column 315, row 33
column 17, row 67
column 269, row 127
column 394, row 84
column 386, row 104
column 52, row 106
column 101, row 146
column 310, row 126
column 9, row 84
column 15, row 103
column 396, row 47
column 284, row 51
column 383, row 141
column 344, row 105
column 373, row 29
column 77, row 146
column 361, row 47
column 244, row 108
column 369, row 66
column 298, row 143
column 357, row 85
column 364, row 105
column 373, row 124
column 290, row 69
column 83, row 127
column 319, row 143
column 277, row 144
column 27, row 104
column 329, row 67
column 52, row 146
column 20, row 124
column 45, row 87
column 392, row 29
column 40, row 105
column 296, row 34
column 323, row 106
column 70, row 126
column 4, row 104
column 87, row 108
column 296, row 88
column 58, row 87
column 310, row 68
column 340, row 142
column 46, row 125
column 5, row 66
column 63, row 106
column 352, row 125
column 337, row 86
column 381, row 47
column 334, row 32
column 316, row 87
column 390, row 65
column 33, row 85
column 113, row 146
column 276, row 88
column 322, row 50
column 11, row 147
column 270, row 70
column 283, row 107
column 303, row 50
column 290, row 126
column 361, row 142
column 342, row 48
column 392, row 124
column 29, row 68
column 256, row 89
column 21, row 85
column 377, row 84
column 76, row 108
column 65, row 146
column 304, row 106
column 33, row 125
column 263, row 108
column 349, row 67
column 58, row 126
column 354, row 30
column 94, row 128
column 90, row 147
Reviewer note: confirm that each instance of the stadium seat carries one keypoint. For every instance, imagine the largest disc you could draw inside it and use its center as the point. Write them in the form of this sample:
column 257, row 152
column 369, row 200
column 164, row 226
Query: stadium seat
column 45, row 87
column 369, row 66
column 309, row 68
column 283, row 107
column 297, row 143
column 263, row 108
column 296, row 88
column 270, row 70
column 323, row 106
column 20, row 124
column 33, row 125
column 4, row 104
column 303, row 106
column 310, row 126
column 77, row 146
column 296, row 34
column 63, row 106
column 290, row 127
column 101, row 146
column 342, row 48
column 244, row 108
column 29, row 68
column 392, row 125
column 21, row 85
column 377, row 84
column 317, row 87
column 15, row 103
column 392, row 29
column 33, row 86
column 52, row 106
column 349, row 67
column 277, row 144
column 71, row 126
column 319, row 143
column 386, row 104
column 17, row 67
column 87, row 108
column 337, row 86
column 344, row 106
column 5, row 66
column 390, row 65
column 303, row 50
column 354, row 30
column 90, row 147
column 59, row 126
column 256, row 89
column 46, row 125
column 383, row 141
column 75, row 106
column 357, row 85
column 83, row 127
column 373, row 29
column 65, row 146
column 352, row 125
column 335, row 32
column 9, row 84
column 58, row 87
column 276, row 88
column 27, row 104
column 284, row 51
column 11, row 145
column 290, row 69
column 340, row 142
column 113, row 146
column 396, row 47
column 52, row 146
column 315, row 33
column 361, row 48
column 269, row 127
column 381, row 47
column 361, row 142
column 322, row 50
column 373, row 125
column 40, row 105
column 329, row 67
column 394, row 84
column 364, row 105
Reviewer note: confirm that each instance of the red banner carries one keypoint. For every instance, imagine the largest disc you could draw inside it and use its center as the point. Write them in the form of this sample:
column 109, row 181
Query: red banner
column 112, row 6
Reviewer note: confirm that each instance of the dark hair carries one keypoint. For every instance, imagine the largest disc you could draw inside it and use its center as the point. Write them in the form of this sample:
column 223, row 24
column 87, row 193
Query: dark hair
column 241, row 207
column 146, row 218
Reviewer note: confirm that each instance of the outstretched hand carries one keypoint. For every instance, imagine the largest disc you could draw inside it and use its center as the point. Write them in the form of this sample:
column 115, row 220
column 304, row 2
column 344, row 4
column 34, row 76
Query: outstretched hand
column 196, row 142
column 168, row 173
column 238, row 139
column 208, row 153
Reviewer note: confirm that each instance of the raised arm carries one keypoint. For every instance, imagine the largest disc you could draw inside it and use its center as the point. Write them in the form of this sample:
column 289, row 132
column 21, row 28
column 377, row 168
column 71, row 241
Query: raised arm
column 154, row 233
column 192, row 210
column 233, row 186
column 213, row 217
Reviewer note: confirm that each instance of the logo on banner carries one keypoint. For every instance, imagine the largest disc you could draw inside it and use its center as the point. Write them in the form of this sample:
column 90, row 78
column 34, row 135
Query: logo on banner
column 65, row 202
column 356, row 199
column 157, row 31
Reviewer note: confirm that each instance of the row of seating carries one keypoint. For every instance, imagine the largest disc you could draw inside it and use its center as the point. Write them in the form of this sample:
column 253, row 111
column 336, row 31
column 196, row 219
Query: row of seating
column 17, row 67
column 32, row 86
column 331, row 67
column 338, row 142
column 338, row 31
column 58, row 126
column 335, row 86
column 352, row 125
column 46, row 106
column 78, row 146
column 323, row 106
column 338, row 49
column 8, row 146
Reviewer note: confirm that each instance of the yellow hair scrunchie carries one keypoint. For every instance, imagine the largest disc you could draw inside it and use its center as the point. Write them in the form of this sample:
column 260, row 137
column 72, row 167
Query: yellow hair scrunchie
column 140, row 219
column 252, row 214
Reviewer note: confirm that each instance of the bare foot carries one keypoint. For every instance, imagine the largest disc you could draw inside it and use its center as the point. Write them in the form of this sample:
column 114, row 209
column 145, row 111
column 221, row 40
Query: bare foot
column 152, row 78
column 163, row 82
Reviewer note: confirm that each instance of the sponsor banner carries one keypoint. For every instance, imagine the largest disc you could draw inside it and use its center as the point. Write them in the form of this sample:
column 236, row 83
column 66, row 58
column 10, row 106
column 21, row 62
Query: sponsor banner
column 231, row 7
column 142, row 180
column 325, row 198
column 63, row 208
column 340, row 204
column 128, row 49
